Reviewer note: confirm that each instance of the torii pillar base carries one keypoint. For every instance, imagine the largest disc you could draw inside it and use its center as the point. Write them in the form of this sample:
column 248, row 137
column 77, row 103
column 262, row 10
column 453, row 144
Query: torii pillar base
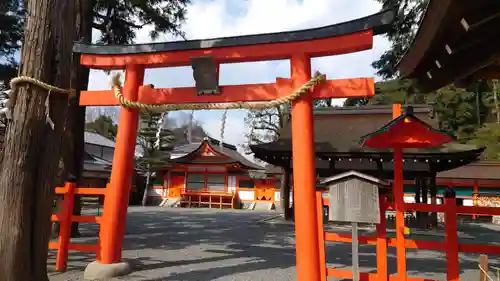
column 99, row 271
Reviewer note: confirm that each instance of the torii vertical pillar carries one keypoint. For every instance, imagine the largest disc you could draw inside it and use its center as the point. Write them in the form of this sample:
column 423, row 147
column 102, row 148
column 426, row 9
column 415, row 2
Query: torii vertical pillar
column 118, row 192
column 304, row 176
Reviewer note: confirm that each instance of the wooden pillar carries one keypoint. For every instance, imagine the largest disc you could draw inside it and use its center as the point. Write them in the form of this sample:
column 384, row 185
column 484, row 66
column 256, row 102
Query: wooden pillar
column 418, row 193
column 285, row 193
column 304, row 179
column 418, row 189
column 400, row 214
column 475, row 194
column 425, row 191
column 433, row 193
column 381, row 229
column 117, row 195
column 451, row 238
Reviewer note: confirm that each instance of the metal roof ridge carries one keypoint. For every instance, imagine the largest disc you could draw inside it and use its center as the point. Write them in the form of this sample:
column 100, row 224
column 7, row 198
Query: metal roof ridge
column 353, row 173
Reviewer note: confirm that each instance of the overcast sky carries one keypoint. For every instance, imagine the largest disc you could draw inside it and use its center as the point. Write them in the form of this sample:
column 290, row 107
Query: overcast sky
column 216, row 18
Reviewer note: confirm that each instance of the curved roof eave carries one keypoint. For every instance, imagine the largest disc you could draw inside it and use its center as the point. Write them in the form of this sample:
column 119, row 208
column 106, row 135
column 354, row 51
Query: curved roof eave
column 434, row 14
column 377, row 22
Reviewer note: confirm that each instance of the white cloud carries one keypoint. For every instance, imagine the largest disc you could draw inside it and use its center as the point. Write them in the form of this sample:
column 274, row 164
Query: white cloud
column 218, row 18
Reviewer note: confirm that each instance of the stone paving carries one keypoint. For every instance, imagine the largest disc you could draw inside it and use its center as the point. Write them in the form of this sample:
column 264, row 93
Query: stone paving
column 236, row 245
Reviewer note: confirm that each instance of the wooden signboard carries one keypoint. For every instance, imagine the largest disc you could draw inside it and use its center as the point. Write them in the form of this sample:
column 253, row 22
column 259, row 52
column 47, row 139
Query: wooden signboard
column 354, row 197
column 354, row 200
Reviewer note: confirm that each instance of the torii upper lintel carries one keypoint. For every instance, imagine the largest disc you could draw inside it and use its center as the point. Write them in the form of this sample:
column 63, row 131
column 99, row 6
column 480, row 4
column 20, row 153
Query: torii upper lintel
column 341, row 38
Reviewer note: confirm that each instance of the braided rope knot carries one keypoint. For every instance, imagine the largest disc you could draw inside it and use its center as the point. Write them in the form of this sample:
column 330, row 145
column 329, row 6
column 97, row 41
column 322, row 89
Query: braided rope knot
column 116, row 86
column 15, row 83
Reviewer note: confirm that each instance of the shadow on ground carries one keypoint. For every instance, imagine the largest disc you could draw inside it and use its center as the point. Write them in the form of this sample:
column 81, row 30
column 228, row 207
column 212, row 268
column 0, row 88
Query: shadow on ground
column 201, row 244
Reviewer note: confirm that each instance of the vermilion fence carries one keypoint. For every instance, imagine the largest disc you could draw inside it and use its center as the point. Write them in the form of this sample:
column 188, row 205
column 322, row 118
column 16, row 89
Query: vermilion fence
column 65, row 217
column 450, row 245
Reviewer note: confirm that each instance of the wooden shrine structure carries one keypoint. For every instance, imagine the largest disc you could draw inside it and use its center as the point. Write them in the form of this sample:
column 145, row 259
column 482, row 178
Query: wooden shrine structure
column 338, row 149
column 403, row 132
column 214, row 174
column 205, row 56
column 457, row 42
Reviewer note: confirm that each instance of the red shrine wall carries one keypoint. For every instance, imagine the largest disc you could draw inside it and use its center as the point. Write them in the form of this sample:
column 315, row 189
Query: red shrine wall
column 215, row 179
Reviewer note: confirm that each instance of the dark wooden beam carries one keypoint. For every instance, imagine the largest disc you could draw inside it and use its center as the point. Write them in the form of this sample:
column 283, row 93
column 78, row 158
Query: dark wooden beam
column 488, row 73
column 449, row 32
column 444, row 23
column 462, row 64
column 480, row 11
column 429, row 30
column 460, row 40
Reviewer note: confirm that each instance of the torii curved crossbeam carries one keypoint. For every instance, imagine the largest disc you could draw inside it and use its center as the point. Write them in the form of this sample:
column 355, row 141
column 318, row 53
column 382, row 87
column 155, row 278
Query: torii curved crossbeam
column 314, row 42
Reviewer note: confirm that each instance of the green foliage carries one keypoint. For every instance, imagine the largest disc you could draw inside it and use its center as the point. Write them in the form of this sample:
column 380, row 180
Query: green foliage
column 119, row 20
column 11, row 33
column 400, row 34
column 488, row 136
column 390, row 92
column 104, row 126
column 457, row 111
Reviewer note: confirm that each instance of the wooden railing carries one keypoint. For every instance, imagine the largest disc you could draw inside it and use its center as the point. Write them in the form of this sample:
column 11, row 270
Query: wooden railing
column 450, row 245
column 208, row 199
column 65, row 218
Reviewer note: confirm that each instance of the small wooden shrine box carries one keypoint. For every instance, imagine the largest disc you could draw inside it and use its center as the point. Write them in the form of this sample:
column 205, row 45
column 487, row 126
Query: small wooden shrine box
column 354, row 197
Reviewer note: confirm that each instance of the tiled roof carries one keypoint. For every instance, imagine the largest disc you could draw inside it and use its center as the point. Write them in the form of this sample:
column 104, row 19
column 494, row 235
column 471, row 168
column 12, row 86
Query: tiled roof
column 339, row 130
column 95, row 138
column 93, row 163
column 479, row 170
column 226, row 149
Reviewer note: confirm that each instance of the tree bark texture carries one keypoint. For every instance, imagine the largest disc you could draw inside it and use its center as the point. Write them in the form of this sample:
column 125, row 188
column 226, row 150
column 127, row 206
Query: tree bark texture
column 32, row 148
column 74, row 139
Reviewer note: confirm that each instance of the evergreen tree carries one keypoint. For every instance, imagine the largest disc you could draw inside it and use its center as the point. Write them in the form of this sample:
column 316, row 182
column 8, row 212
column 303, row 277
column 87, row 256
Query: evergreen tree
column 400, row 33
column 119, row 20
column 11, row 33
column 488, row 136
column 157, row 144
column 390, row 92
column 104, row 126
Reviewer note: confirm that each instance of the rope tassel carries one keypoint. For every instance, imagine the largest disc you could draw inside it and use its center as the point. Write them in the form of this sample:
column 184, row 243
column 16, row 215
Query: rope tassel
column 223, row 127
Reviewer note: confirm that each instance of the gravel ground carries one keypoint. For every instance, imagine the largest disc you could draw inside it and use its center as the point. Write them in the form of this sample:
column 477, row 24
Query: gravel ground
column 224, row 245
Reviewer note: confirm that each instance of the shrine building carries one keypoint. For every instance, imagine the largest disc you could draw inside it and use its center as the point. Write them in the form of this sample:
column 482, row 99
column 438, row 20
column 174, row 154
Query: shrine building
column 427, row 172
column 215, row 175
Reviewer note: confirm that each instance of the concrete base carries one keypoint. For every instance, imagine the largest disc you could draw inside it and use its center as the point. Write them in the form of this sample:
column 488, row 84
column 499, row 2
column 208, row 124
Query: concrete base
column 99, row 271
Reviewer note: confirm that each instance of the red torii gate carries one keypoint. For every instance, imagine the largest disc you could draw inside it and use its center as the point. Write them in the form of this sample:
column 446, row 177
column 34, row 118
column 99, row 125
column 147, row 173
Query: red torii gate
column 298, row 46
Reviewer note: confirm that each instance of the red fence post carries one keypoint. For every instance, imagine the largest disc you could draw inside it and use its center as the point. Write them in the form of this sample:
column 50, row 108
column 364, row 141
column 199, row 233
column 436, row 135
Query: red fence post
column 398, row 193
column 382, row 242
column 451, row 237
column 65, row 226
column 321, row 235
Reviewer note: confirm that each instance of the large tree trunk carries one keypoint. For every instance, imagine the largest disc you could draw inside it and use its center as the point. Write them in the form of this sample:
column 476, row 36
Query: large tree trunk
column 32, row 149
column 74, row 143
